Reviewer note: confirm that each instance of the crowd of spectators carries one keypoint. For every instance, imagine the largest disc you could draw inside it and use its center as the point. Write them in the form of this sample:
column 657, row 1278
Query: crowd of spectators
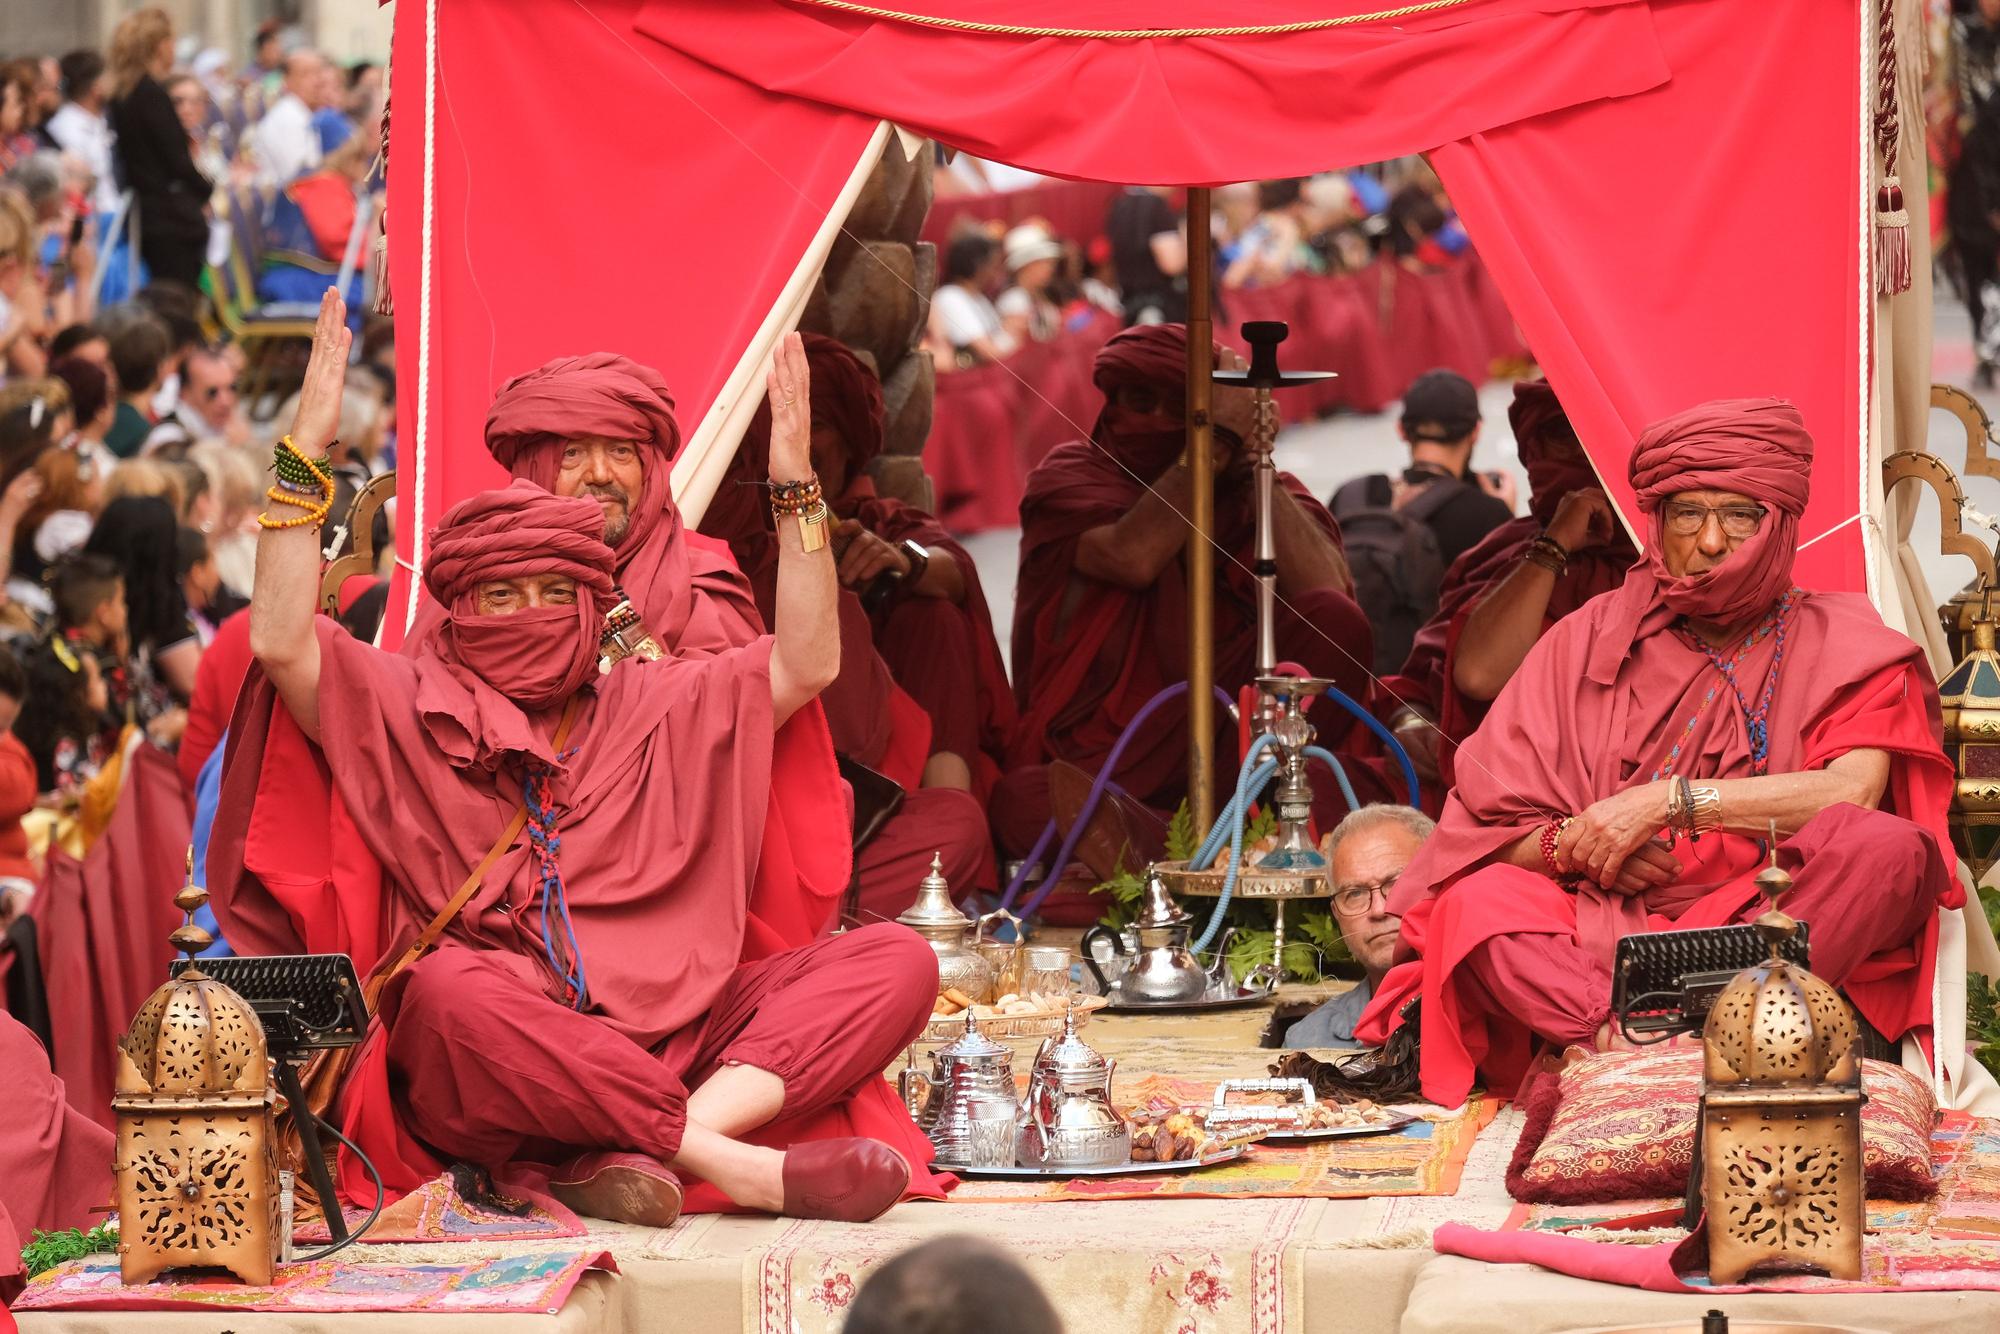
column 1001, row 287
column 131, row 467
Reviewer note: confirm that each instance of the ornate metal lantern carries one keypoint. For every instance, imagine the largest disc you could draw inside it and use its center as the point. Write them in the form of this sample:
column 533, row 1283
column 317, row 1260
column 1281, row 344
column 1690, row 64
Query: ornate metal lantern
column 1970, row 698
column 1781, row 1115
column 196, row 1169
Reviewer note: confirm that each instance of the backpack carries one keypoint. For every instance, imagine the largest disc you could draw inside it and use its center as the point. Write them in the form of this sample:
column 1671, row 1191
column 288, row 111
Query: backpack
column 1395, row 558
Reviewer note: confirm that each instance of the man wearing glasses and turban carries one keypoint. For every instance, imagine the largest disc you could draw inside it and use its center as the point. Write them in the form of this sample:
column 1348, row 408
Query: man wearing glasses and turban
column 1628, row 774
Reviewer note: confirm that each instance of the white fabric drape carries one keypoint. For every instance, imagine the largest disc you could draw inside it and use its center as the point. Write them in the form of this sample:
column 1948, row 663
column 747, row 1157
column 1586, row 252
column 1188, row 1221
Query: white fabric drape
column 698, row 471
column 1899, row 418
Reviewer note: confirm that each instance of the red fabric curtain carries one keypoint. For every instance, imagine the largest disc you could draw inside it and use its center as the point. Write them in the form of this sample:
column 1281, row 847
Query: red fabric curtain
column 592, row 189
column 1667, row 193
column 1699, row 240
column 1180, row 111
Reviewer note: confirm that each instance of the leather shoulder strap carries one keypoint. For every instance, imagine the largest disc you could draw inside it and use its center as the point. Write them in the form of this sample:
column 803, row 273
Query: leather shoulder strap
column 428, row 937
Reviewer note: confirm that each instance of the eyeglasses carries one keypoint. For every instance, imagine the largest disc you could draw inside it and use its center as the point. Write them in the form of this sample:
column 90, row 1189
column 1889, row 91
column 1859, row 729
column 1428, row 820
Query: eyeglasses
column 1355, row 900
column 1738, row 521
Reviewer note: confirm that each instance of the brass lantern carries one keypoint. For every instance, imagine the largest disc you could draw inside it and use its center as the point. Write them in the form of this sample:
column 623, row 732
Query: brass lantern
column 1970, row 698
column 1781, row 1116
column 196, row 1169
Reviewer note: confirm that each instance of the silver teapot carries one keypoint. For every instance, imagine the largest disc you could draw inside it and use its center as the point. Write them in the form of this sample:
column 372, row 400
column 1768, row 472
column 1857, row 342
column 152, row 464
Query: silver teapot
column 970, row 1066
column 949, row 932
column 1068, row 1119
column 1163, row 970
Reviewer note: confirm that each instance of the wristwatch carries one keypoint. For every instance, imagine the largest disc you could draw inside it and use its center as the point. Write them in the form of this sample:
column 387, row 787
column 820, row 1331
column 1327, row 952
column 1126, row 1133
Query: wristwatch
column 919, row 558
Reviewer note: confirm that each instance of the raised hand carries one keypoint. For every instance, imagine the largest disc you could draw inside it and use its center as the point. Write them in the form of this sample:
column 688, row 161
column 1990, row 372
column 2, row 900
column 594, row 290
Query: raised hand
column 318, row 417
column 787, row 383
column 1583, row 520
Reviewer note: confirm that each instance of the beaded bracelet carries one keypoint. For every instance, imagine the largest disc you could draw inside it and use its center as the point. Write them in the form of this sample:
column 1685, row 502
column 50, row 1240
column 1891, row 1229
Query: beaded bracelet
column 1551, row 835
column 1546, row 552
column 298, row 478
column 791, row 499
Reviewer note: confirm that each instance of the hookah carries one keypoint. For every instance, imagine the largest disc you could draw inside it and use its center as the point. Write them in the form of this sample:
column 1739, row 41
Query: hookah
column 1283, row 746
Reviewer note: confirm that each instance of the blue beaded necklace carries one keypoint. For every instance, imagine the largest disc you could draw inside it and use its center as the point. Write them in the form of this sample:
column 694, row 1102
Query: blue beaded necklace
column 1757, row 720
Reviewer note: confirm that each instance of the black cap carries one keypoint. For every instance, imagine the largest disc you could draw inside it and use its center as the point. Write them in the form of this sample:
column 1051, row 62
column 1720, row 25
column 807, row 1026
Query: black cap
column 1440, row 405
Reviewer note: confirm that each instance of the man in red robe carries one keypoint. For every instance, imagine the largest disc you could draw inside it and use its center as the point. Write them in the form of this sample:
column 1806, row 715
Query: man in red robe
column 919, row 589
column 589, row 1002
column 55, row 1162
column 604, row 427
column 1100, row 615
column 1623, row 779
column 1502, row 595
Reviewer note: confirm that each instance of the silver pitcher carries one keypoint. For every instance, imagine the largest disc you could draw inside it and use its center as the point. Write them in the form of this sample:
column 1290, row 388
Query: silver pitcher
column 970, row 1066
column 937, row 919
column 1164, row 970
column 1068, row 1119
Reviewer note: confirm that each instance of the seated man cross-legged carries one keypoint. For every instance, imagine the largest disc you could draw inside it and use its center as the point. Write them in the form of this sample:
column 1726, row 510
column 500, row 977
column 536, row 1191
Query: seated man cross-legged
column 587, row 1005
column 1627, row 775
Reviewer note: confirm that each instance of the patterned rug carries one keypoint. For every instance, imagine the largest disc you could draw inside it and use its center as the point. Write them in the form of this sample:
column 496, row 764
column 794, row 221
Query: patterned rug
column 440, row 1211
column 1225, row 1269
column 1951, row 1241
column 530, row 1284
column 1426, row 1158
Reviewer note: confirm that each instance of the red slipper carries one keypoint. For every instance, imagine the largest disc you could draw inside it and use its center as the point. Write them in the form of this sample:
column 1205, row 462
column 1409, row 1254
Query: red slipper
column 623, row 1187
column 846, row 1180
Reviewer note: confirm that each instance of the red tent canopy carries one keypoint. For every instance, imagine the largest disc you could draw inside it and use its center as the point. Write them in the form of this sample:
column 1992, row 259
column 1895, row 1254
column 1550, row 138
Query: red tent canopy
column 1670, row 193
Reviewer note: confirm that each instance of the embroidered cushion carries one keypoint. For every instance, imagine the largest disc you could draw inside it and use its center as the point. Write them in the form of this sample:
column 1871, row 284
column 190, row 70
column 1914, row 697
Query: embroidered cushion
column 1620, row 1125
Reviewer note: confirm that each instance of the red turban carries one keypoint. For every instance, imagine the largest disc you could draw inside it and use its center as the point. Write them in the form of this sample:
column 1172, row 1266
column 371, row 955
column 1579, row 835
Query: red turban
column 1534, row 410
column 1538, row 420
column 1147, row 356
column 1757, row 447
column 533, row 415
column 599, row 394
column 845, row 395
column 537, row 656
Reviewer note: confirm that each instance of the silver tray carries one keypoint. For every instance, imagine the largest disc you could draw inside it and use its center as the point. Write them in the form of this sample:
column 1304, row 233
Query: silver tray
column 1226, row 1001
column 1125, row 1169
column 1388, row 1127
column 1251, row 882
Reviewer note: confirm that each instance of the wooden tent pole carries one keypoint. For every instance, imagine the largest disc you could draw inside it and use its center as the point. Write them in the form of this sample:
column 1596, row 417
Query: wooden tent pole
column 1201, row 515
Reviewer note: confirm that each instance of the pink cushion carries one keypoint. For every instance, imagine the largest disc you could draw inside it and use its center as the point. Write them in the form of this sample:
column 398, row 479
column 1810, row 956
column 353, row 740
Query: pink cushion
column 1620, row 1126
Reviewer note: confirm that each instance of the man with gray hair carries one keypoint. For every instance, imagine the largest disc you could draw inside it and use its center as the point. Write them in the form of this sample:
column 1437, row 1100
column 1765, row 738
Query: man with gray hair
column 1365, row 853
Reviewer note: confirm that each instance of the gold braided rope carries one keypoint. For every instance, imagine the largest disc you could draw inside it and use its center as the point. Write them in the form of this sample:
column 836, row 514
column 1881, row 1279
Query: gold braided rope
column 1131, row 34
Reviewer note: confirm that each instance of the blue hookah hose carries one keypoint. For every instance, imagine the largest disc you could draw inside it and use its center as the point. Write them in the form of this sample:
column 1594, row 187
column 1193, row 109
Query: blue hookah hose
column 1233, row 810
column 1327, row 757
column 1249, row 782
column 1387, row 738
column 1053, row 874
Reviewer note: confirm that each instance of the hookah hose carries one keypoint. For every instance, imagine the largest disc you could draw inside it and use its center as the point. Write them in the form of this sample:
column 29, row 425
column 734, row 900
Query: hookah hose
column 1388, row 738
column 1250, row 780
column 1053, row 875
column 1327, row 757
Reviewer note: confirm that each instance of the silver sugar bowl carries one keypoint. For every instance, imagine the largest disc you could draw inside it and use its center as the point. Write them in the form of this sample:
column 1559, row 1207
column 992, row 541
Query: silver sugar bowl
column 1068, row 1119
column 949, row 932
column 970, row 1066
